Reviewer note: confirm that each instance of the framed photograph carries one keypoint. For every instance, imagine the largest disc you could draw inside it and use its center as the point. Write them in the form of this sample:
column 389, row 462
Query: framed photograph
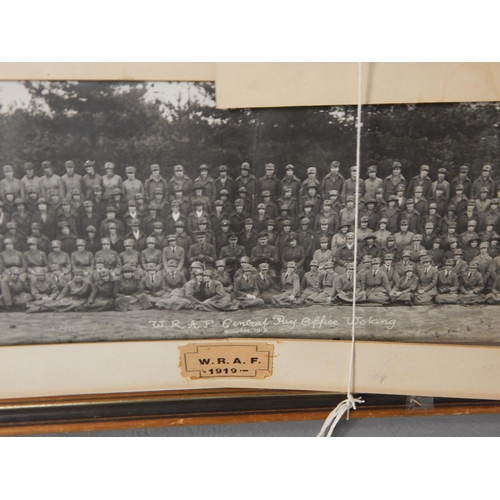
column 152, row 241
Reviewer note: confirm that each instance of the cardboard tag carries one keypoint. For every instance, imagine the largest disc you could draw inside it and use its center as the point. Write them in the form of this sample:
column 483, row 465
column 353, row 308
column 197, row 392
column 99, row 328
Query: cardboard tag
column 249, row 360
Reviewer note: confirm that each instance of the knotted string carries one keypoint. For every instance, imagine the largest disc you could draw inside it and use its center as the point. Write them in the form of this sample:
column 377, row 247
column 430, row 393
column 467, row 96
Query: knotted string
column 350, row 402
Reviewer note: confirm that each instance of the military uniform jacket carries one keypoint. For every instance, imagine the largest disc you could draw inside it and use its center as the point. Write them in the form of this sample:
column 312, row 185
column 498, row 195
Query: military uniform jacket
column 62, row 259
column 265, row 284
column 347, row 216
column 391, row 183
column 379, row 280
column 403, row 240
column 153, row 285
column 365, row 249
column 132, row 187
column 447, row 284
column 344, row 255
column 428, row 279
column 413, row 218
column 391, row 273
column 244, row 287
column 392, row 216
column 227, row 184
column 349, row 188
column 204, row 253
column 35, row 258
column 479, row 183
column 460, row 267
column 345, row 284
column 224, row 278
column 174, row 280
column 17, row 287
column 237, row 220
column 290, row 283
column 176, row 253
column 40, row 289
column 151, row 184
column 425, row 183
column 93, row 219
column 249, row 182
column 153, row 256
column 265, row 253
column 12, row 258
column 330, row 182
column 81, row 291
column 268, row 184
column 484, row 263
column 212, row 290
column 49, row 223
column 248, row 240
column 82, row 259
column 407, row 285
column 306, row 240
column 293, row 254
column 130, row 286
column 333, row 221
column 102, row 290
column 313, row 280
column 294, row 183
column 194, row 219
column 471, row 282
column 185, row 183
column 111, row 259
column 131, row 258
column 89, row 183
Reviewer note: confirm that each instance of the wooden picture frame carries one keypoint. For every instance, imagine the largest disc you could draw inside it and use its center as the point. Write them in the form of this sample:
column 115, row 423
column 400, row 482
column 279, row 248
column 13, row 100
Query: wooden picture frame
column 35, row 398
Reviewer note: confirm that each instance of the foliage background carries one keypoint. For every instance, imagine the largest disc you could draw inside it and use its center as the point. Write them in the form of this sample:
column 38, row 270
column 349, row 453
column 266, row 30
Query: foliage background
column 116, row 121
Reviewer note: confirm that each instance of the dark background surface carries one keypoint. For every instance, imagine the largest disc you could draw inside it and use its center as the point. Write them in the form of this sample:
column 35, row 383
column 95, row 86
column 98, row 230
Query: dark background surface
column 418, row 426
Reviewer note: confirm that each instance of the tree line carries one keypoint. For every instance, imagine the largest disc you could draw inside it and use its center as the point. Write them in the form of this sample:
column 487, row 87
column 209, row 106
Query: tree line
column 117, row 122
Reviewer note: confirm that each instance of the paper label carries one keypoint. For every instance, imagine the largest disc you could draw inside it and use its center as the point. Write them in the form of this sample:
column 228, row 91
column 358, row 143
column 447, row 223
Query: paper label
column 249, row 360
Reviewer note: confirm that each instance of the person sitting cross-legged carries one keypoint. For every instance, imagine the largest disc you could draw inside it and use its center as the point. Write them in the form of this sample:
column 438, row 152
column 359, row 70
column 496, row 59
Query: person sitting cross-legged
column 246, row 290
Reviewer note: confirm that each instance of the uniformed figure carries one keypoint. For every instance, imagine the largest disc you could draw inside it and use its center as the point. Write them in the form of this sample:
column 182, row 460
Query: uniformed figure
column 129, row 292
column 44, row 292
column 312, row 285
column 376, row 284
column 343, row 290
column 74, row 295
column 263, row 252
column 102, row 295
column 109, row 257
column 471, row 286
column 82, row 259
column 427, row 283
column 153, row 284
column 15, row 291
column 404, row 290
column 245, row 289
column 447, row 284
column 202, row 251
column 214, row 297
column 290, row 288
column 151, row 254
column 265, row 283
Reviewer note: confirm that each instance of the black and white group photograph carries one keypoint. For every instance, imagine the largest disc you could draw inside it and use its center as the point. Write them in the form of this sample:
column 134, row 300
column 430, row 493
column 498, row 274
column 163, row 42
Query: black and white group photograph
column 138, row 210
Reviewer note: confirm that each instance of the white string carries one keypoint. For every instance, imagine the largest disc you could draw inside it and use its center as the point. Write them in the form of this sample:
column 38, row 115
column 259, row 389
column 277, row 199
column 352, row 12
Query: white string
column 350, row 402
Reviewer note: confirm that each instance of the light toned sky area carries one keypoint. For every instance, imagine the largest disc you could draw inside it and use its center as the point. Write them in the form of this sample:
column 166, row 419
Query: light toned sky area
column 13, row 94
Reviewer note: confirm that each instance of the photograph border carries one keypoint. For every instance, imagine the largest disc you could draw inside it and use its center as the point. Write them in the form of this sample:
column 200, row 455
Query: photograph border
column 482, row 387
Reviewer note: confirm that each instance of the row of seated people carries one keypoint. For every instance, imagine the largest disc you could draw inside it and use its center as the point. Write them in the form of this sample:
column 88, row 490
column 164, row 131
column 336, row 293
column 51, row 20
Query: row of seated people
column 308, row 238
column 288, row 248
column 210, row 290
